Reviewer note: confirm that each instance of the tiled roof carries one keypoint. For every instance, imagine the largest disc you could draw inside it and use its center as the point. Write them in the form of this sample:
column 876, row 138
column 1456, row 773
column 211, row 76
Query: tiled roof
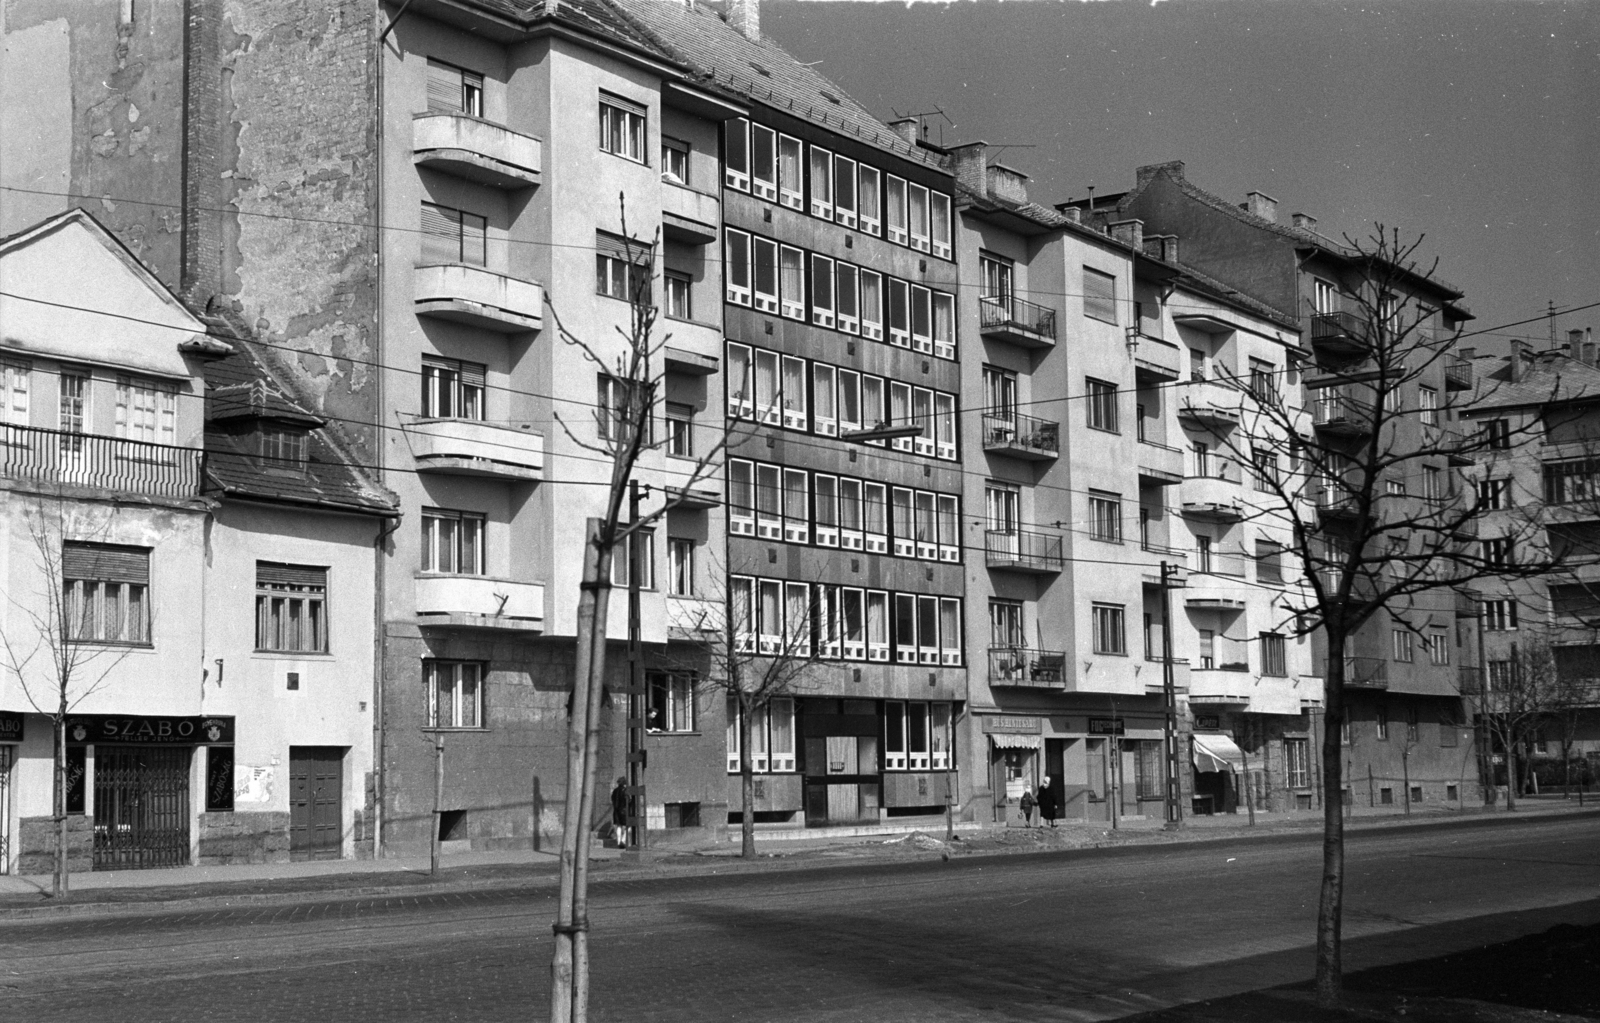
column 1041, row 215
column 1222, row 293
column 759, row 72
column 1550, row 378
column 592, row 16
column 241, row 387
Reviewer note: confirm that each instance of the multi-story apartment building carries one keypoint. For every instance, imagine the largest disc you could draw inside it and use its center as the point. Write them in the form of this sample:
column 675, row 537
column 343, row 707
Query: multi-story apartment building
column 1544, row 408
column 1404, row 717
column 195, row 549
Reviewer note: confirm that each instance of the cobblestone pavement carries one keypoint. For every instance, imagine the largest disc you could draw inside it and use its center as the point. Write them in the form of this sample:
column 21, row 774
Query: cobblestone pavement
column 1049, row 937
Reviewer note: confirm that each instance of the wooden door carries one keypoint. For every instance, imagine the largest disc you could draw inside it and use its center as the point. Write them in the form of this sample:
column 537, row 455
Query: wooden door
column 316, row 798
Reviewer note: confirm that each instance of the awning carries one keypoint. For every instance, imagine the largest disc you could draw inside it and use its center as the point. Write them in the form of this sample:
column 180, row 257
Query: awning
column 1004, row 740
column 1216, row 753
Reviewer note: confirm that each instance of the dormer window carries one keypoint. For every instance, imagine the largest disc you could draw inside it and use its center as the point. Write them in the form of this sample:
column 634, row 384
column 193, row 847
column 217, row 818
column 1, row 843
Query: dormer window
column 283, row 443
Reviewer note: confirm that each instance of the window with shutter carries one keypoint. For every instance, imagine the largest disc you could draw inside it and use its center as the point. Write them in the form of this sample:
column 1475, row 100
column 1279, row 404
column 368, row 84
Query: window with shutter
column 453, row 90
column 105, row 589
column 1099, row 295
column 291, row 612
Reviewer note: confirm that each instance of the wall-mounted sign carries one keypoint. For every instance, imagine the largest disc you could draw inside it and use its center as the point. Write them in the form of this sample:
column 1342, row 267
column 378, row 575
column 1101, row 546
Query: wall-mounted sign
column 1207, row 721
column 144, row 730
column 1105, row 726
column 1011, row 723
column 10, row 726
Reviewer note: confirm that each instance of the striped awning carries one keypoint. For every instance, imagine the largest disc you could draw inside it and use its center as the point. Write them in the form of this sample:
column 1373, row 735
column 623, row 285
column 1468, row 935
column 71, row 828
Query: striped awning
column 1006, row 740
column 1216, row 753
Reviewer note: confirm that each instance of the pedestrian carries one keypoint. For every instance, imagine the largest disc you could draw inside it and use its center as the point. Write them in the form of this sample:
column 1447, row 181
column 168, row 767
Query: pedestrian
column 619, row 812
column 1027, row 807
column 1047, row 802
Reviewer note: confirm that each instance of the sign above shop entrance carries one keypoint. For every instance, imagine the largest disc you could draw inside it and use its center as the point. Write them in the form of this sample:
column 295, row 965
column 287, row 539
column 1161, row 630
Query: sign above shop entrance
column 144, row 731
column 1011, row 723
column 10, row 726
column 1105, row 726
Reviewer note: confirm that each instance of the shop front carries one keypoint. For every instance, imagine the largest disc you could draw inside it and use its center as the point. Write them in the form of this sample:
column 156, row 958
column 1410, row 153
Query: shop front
column 1218, row 766
column 1015, row 749
column 10, row 738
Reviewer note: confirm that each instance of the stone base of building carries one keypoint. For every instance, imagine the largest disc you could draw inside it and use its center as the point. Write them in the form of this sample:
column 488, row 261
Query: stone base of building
column 36, row 845
column 243, row 837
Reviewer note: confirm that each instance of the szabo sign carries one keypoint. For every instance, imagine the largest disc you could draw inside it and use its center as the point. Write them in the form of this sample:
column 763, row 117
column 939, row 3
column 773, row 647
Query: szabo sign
column 10, row 726
column 141, row 730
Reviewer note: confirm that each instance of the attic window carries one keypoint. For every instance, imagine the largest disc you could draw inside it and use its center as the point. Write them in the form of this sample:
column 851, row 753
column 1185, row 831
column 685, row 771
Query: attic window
column 830, row 97
column 283, row 443
column 763, row 72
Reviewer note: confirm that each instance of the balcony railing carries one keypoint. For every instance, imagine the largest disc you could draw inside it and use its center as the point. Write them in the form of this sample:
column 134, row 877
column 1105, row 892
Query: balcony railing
column 107, row 463
column 1024, row 666
column 1021, row 323
column 1021, row 436
column 1363, row 672
column 1341, row 334
column 1022, row 550
column 1457, row 373
column 1338, row 412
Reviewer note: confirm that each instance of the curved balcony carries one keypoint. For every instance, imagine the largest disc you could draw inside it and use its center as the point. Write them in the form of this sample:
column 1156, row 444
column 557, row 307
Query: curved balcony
column 1160, row 465
column 1211, row 403
column 1220, row 687
column 482, row 298
column 1019, row 436
column 468, row 447
column 689, row 215
column 481, row 602
column 477, row 150
column 1027, row 668
column 1214, row 493
column 1016, row 322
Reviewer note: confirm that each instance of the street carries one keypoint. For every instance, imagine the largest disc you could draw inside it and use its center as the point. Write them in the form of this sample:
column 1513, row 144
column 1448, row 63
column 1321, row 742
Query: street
column 1052, row 937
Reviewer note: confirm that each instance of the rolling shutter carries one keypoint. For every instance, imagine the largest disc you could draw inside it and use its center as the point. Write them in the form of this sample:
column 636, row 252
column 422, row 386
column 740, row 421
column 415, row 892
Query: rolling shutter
column 105, row 563
column 269, row 573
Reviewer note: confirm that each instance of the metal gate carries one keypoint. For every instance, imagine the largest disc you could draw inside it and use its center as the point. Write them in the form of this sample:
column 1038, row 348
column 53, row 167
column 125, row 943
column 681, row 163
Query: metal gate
column 5, row 808
column 141, row 807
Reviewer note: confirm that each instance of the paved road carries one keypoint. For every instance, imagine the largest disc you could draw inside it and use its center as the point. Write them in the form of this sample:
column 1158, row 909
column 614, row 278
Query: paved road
column 1055, row 937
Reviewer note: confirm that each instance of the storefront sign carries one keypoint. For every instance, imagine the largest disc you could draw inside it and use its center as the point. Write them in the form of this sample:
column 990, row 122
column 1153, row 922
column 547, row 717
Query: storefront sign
column 1005, row 723
column 140, row 730
column 1105, row 726
column 1211, row 721
column 10, row 726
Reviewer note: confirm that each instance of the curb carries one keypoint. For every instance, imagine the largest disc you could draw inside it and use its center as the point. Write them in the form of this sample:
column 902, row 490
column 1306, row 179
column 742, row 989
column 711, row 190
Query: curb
column 708, row 867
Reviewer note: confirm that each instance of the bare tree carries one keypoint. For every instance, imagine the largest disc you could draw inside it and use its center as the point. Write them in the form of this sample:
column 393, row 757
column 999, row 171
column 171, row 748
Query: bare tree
column 753, row 665
column 631, row 364
column 1378, row 518
column 58, row 655
column 1532, row 695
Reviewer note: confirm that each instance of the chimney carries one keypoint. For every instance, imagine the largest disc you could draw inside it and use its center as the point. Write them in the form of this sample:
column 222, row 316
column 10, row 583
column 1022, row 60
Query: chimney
column 1304, row 221
column 745, row 17
column 1521, row 353
column 967, row 163
column 1588, row 345
column 907, row 128
column 1008, row 183
column 1172, row 168
column 1073, row 214
column 1129, row 232
column 1467, row 353
column 1574, row 343
column 1169, row 248
column 1262, row 205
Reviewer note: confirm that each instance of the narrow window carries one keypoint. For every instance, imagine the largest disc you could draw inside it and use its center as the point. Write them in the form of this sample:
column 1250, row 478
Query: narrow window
column 766, row 275
column 821, row 183
column 868, row 199
column 822, row 291
column 792, row 274
column 1099, row 295
column 871, row 305
column 895, row 215
column 763, row 162
column 736, row 154
column 738, row 268
column 940, row 210
column 844, row 191
column 847, row 298
column 790, row 175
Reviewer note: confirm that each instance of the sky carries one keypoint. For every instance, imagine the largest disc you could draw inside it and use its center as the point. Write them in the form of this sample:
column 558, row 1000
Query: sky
column 1475, row 123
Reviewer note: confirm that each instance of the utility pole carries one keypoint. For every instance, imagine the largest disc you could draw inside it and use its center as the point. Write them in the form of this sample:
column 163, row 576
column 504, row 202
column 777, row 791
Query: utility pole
column 438, row 800
column 1169, row 688
column 638, row 695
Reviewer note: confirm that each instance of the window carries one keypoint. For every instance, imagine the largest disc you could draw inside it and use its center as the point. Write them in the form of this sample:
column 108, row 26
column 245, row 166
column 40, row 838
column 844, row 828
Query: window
column 622, row 124
column 771, row 736
column 290, row 612
column 1325, row 296
column 1208, row 648
column 847, row 298
column 825, row 399
column 1109, row 636
column 1411, row 724
column 621, row 268
column 1297, row 758
column 736, row 145
column 949, row 631
column 922, row 319
column 1005, row 624
column 14, row 393
column 1402, row 644
column 74, row 406
column 1344, row 737
column 675, row 160
column 1099, row 295
column 1381, row 719
column 871, row 305
column 844, row 191
column 822, row 291
column 1428, row 405
column 900, row 411
column 899, row 313
column 452, row 541
column 922, row 415
column 1150, row 772
column 1499, row 678
column 738, row 267
column 455, row 693
column 680, row 430
column 944, row 325
column 1263, row 382
column 868, row 199
column 821, row 183
column 450, row 235
column 741, row 497
column 453, row 90
column 1438, row 644
column 877, row 625
column 792, row 282
column 826, row 494
column 105, row 591
column 1497, row 433
column 1269, row 562
column 1105, row 517
column 790, row 184
column 939, row 210
column 146, row 411
column 1497, row 551
column 1499, row 615
column 741, row 394
column 1102, row 405
column 282, row 443
column 795, row 414
column 894, row 736
column 895, row 214
column 680, row 554
column 1432, row 483
column 1274, row 655
column 763, row 162
column 678, row 291
column 796, row 506
column 614, row 409
column 671, row 707
column 644, row 541
column 944, row 415
column 451, row 389
column 995, row 282
column 1565, row 482
column 917, row 215
column 1266, row 469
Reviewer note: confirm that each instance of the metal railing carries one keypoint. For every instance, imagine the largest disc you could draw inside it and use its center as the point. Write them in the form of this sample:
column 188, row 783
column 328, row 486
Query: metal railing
column 108, row 463
column 1335, row 408
column 1363, row 672
column 1214, row 467
column 1228, row 563
column 1023, row 549
column 1458, row 372
column 1025, row 666
column 1329, row 326
column 998, row 313
column 1018, row 431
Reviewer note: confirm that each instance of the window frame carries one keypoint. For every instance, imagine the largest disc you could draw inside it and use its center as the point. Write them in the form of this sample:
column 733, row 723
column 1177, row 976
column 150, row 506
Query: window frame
column 626, row 133
column 458, row 670
column 311, row 597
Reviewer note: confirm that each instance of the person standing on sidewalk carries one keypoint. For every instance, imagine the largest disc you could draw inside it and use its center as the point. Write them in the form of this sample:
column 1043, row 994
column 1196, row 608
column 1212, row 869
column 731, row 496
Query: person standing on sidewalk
column 1027, row 807
column 1047, row 802
column 619, row 812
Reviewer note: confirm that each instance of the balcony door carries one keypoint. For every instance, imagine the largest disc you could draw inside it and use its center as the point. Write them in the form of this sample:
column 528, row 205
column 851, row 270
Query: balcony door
column 1004, row 517
column 1000, row 393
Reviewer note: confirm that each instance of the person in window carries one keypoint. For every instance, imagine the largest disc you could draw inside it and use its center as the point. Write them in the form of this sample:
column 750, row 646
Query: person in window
column 1047, row 802
column 619, row 812
column 1027, row 808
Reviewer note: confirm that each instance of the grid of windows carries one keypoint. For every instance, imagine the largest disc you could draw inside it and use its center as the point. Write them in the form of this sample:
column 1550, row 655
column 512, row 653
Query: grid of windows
column 455, row 693
column 106, row 593
column 844, row 622
column 771, row 736
column 916, row 736
column 291, row 608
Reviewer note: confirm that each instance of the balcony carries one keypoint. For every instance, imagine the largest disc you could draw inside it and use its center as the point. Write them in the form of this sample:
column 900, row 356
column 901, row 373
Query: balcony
column 480, row 602
column 1218, row 687
column 479, row 297
column 1160, row 465
column 689, row 215
column 1469, row 680
column 1211, row 403
column 1336, row 502
column 1020, row 550
column 1342, row 414
column 1457, row 373
column 468, row 447
column 1213, row 491
column 1017, row 322
column 1036, row 440
column 1028, row 668
column 1157, row 361
column 1362, row 673
column 105, row 463
column 475, row 149
column 1340, row 335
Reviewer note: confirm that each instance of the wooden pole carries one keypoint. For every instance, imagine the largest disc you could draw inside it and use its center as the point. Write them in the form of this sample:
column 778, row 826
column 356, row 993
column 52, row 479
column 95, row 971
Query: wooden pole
column 438, row 798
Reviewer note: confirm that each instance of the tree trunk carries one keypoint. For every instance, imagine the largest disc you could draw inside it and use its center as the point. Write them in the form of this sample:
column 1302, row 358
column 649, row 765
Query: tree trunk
column 1511, row 776
column 1330, row 905
column 747, row 784
column 61, row 885
column 1405, row 779
column 569, row 965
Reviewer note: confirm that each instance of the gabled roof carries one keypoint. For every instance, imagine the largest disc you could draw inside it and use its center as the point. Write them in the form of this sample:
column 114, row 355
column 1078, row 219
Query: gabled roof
column 1550, row 378
column 759, row 72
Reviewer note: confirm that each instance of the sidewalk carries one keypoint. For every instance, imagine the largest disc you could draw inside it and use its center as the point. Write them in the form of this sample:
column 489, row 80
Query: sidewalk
column 111, row 892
